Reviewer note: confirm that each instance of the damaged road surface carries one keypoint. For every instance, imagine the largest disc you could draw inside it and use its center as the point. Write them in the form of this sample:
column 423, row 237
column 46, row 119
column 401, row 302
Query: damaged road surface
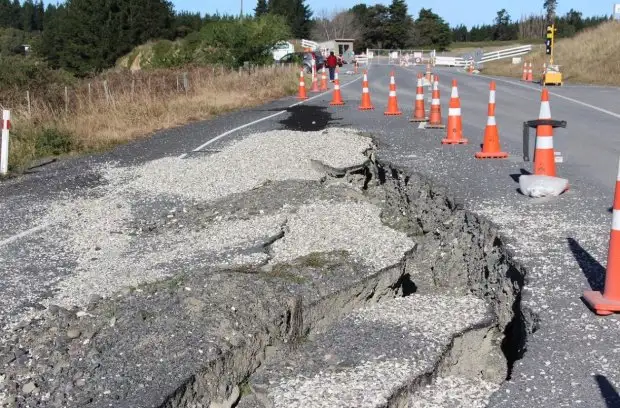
column 287, row 269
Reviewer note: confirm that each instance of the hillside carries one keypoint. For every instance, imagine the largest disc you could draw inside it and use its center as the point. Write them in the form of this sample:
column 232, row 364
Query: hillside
column 592, row 56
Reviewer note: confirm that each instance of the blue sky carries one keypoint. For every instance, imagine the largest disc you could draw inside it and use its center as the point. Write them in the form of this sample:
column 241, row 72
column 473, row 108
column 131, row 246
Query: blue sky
column 468, row 12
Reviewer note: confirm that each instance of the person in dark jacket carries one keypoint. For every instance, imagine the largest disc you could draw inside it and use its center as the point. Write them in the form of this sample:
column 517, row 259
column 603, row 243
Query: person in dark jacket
column 331, row 63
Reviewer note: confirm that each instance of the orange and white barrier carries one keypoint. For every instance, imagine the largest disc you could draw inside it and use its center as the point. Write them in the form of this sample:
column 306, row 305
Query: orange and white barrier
column 490, row 145
column 608, row 301
column 544, row 157
column 454, row 130
column 4, row 147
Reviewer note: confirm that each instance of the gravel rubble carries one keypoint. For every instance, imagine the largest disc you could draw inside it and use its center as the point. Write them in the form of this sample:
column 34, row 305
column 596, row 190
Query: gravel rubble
column 454, row 392
column 372, row 352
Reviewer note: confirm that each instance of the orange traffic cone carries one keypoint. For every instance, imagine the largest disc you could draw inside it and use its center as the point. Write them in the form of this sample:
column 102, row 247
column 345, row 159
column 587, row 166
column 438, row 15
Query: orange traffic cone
column 392, row 108
column 524, row 77
column 455, row 124
column 323, row 87
column 366, row 104
column 419, row 115
column 337, row 95
column 608, row 301
column 428, row 72
column 435, row 116
column 315, row 82
column 544, row 156
column 302, row 87
column 530, row 74
column 490, row 146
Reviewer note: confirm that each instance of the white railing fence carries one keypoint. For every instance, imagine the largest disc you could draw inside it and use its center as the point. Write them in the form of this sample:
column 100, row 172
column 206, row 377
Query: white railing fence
column 399, row 57
column 486, row 57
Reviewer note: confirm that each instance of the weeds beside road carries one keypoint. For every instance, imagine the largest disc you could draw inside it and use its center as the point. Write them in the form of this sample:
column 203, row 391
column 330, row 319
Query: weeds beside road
column 120, row 107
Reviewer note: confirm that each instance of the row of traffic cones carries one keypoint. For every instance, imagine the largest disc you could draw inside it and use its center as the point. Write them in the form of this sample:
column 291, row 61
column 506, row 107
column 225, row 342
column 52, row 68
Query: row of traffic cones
column 544, row 163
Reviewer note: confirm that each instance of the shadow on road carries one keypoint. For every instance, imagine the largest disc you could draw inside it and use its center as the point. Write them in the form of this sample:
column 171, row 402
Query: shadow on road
column 515, row 177
column 608, row 391
column 591, row 268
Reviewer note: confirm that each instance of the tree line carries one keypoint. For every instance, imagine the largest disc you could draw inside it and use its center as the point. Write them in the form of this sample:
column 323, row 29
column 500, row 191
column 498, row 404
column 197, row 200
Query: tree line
column 88, row 36
column 527, row 27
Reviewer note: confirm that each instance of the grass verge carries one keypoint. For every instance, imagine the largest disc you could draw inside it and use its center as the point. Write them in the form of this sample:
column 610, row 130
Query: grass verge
column 591, row 57
column 120, row 107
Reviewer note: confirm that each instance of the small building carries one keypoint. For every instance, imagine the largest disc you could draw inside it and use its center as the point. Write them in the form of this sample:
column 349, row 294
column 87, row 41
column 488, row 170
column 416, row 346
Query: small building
column 340, row 46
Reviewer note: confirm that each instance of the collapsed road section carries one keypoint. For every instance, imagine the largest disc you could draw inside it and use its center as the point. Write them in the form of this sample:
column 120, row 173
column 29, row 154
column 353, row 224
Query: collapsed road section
column 287, row 269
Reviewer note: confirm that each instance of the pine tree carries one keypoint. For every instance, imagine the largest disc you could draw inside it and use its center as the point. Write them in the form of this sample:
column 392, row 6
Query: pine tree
column 261, row 8
column 400, row 25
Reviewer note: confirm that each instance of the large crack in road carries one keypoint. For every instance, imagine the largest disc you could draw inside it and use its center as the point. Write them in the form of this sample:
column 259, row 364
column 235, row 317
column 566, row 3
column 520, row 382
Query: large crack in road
column 339, row 282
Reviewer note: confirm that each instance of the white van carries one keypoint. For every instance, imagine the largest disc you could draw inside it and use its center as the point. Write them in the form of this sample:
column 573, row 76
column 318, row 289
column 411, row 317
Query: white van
column 281, row 49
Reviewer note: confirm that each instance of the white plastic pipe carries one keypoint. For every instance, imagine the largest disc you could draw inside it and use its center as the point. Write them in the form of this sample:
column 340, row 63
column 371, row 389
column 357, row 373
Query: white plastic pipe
column 4, row 148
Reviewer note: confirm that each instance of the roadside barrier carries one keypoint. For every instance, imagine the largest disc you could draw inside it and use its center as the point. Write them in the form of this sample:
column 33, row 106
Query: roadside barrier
column 302, row 87
column 337, row 95
column 490, row 145
column 366, row 103
column 392, row 108
column 435, row 114
column 607, row 301
column 544, row 156
column 454, row 134
column 4, row 147
column 315, row 82
column 419, row 114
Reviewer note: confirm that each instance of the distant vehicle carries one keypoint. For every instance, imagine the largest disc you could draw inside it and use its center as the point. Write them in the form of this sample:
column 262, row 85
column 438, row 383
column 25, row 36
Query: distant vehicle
column 281, row 49
column 305, row 59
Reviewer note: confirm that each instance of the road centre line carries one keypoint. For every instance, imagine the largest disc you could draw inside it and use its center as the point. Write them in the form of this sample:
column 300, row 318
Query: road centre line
column 231, row 131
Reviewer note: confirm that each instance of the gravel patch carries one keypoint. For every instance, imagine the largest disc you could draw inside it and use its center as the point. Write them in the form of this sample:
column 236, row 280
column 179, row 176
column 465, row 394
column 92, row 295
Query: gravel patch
column 247, row 163
column 97, row 231
column 454, row 392
column 363, row 359
column 353, row 227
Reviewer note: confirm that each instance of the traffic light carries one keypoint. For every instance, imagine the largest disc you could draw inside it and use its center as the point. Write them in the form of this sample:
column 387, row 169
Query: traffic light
column 549, row 40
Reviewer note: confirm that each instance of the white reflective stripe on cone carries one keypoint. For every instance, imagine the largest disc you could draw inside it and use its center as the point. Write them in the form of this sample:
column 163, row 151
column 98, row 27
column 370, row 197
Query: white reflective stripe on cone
column 455, row 92
column 615, row 220
column 392, row 81
column 492, row 97
column 545, row 110
column 392, row 93
column 454, row 111
column 435, row 102
column 491, row 121
column 618, row 178
column 419, row 97
column 364, row 90
column 544, row 142
column 302, row 84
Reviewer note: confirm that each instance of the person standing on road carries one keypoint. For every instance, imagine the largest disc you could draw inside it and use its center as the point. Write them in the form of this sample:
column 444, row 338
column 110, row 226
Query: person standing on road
column 331, row 63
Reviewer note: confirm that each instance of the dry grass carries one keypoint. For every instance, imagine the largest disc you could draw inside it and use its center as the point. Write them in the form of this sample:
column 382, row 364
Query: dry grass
column 91, row 119
column 592, row 56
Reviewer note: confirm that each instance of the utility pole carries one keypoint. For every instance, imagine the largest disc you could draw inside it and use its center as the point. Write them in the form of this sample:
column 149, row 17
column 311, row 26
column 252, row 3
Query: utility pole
column 241, row 14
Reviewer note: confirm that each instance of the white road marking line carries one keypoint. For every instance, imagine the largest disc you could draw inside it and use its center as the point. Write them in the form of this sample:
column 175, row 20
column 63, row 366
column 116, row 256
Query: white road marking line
column 218, row 137
column 578, row 102
column 22, row 234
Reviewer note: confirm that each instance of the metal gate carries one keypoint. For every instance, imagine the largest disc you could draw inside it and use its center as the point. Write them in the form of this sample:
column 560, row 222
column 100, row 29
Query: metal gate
column 400, row 57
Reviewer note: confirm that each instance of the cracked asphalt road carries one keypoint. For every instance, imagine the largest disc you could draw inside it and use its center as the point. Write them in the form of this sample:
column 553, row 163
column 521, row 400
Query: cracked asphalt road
column 571, row 358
